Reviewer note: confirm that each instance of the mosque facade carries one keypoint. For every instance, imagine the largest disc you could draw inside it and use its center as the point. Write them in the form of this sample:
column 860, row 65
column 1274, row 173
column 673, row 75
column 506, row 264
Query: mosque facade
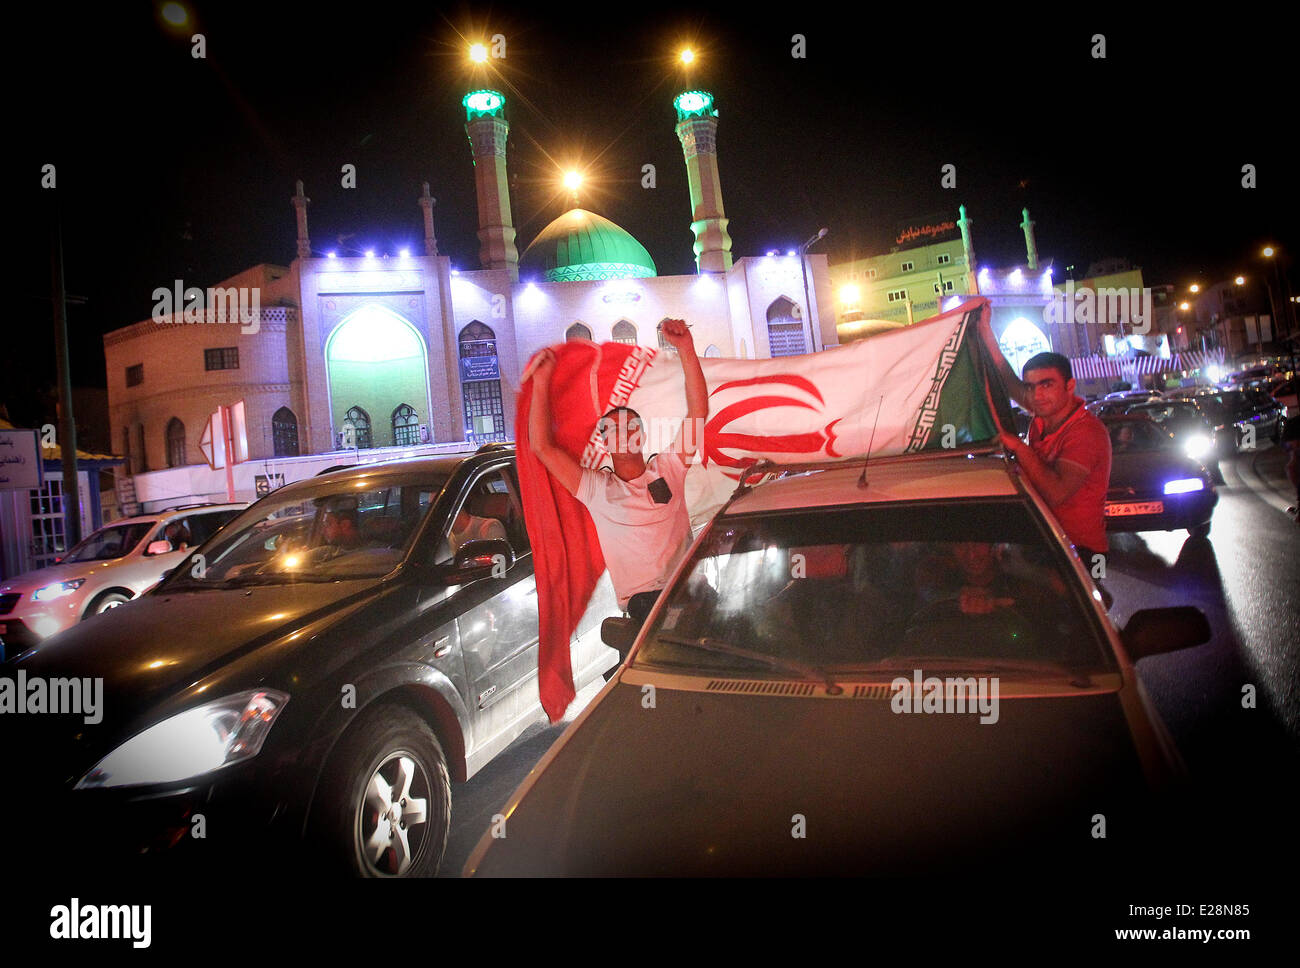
column 369, row 353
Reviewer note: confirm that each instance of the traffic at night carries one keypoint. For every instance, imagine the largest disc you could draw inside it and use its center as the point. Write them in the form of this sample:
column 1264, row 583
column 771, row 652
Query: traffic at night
column 454, row 444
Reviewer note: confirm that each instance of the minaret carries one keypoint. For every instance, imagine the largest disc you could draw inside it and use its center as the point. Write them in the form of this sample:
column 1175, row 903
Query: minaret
column 300, row 203
column 427, row 202
column 1030, row 248
column 697, row 129
column 964, row 224
column 487, row 127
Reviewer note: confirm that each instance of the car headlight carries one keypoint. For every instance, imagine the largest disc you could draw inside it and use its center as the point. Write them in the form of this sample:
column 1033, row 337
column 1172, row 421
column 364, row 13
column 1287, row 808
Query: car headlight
column 191, row 743
column 1183, row 485
column 48, row 593
column 1197, row 446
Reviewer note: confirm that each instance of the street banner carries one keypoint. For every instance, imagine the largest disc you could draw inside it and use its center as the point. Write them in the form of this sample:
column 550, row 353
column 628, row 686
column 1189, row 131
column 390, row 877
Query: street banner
column 923, row 387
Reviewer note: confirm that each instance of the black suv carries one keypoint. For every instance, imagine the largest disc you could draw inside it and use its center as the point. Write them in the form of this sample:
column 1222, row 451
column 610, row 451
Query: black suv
column 318, row 671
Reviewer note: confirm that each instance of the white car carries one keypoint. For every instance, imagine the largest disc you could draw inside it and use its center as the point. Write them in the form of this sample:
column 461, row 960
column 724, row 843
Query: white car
column 112, row 566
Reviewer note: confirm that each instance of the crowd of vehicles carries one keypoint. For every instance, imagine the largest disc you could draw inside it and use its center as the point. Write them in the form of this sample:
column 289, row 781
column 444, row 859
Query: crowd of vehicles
column 317, row 668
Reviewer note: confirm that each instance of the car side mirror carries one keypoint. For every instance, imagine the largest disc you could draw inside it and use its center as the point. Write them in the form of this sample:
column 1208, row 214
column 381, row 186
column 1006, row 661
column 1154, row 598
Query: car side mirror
column 1154, row 631
column 482, row 558
column 619, row 633
column 158, row 548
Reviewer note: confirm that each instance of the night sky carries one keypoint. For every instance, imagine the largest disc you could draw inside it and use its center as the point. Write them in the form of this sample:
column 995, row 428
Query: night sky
column 171, row 167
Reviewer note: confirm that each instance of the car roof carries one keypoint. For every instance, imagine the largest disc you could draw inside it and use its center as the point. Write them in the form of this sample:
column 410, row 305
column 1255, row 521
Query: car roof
column 154, row 516
column 911, row 477
column 439, row 464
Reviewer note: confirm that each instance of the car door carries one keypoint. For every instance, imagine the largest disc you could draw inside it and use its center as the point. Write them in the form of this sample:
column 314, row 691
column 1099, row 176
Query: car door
column 496, row 616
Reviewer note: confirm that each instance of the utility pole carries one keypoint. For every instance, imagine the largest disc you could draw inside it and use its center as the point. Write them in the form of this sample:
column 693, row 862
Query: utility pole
column 67, row 426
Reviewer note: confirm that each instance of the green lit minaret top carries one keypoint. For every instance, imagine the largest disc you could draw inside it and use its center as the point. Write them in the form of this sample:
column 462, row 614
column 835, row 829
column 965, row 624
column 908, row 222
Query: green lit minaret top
column 694, row 104
column 483, row 104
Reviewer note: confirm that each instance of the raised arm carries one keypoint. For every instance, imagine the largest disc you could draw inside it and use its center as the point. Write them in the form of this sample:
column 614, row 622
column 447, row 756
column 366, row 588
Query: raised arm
column 691, row 434
column 565, row 469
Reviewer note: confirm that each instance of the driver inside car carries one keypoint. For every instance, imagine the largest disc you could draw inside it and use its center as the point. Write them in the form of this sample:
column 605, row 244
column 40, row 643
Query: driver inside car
column 339, row 528
column 971, row 575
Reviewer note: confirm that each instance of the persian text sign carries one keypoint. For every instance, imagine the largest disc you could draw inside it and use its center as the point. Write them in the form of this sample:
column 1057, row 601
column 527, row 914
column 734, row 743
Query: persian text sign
column 20, row 459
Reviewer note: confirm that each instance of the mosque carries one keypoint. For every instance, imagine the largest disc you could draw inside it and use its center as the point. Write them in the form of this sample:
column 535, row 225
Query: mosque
column 368, row 353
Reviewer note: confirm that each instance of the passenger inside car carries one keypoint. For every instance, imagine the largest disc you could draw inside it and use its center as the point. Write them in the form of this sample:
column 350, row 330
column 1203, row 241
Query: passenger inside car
column 339, row 528
column 177, row 535
column 473, row 527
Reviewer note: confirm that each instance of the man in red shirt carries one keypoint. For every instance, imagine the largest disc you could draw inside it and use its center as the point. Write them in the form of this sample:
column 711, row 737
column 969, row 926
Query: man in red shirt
column 1068, row 454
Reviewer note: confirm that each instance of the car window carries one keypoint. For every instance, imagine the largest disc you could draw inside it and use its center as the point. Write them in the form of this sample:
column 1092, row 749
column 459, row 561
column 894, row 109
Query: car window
column 192, row 530
column 337, row 533
column 1136, row 435
column 1170, row 413
column 204, row 526
column 868, row 588
column 108, row 543
column 490, row 509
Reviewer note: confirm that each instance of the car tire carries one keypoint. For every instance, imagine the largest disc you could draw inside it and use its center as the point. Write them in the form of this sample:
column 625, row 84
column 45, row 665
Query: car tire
column 387, row 748
column 1200, row 531
column 106, row 601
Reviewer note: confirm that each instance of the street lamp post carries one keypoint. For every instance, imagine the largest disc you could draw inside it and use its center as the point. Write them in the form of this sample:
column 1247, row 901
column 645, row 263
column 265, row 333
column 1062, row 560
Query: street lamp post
column 807, row 305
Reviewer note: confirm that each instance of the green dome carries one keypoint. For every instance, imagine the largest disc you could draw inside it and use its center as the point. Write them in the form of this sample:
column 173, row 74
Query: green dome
column 582, row 245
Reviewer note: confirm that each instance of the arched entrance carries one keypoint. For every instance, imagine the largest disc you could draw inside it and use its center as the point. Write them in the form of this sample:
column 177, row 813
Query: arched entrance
column 376, row 362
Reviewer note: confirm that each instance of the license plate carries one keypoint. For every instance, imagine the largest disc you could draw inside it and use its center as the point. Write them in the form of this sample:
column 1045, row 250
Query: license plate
column 1136, row 507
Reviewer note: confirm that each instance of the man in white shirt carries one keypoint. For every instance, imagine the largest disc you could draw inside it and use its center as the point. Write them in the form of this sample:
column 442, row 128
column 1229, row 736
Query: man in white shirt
column 638, row 507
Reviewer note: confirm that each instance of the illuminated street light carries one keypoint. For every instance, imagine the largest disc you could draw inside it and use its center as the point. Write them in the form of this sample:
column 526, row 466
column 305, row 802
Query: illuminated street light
column 1268, row 252
column 850, row 294
column 688, row 56
column 1240, row 280
column 572, row 180
column 175, row 14
column 1184, row 306
column 478, row 53
column 1195, row 287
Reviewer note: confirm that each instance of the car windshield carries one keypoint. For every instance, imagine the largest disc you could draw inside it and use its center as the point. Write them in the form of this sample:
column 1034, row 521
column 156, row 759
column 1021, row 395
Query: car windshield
column 1172, row 415
column 1136, row 435
column 108, row 543
column 336, row 533
column 1229, row 403
column 974, row 584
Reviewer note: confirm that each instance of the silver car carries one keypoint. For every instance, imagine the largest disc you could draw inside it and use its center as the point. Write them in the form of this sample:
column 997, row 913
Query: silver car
column 112, row 566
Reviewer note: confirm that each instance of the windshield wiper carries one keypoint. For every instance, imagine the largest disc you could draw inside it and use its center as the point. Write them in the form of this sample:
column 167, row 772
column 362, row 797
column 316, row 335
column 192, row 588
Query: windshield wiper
column 979, row 665
column 714, row 645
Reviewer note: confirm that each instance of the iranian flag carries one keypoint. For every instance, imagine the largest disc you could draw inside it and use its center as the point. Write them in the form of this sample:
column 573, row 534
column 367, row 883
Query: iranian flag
column 928, row 386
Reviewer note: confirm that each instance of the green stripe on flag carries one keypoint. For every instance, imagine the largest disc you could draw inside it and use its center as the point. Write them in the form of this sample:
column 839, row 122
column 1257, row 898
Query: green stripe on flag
column 961, row 414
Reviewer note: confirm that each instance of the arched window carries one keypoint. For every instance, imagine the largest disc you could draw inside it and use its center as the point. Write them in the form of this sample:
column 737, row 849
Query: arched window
column 175, row 443
column 624, row 332
column 406, row 426
column 284, row 432
column 577, row 331
column 356, row 429
column 480, row 382
column 785, row 329
column 712, row 351
column 663, row 340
